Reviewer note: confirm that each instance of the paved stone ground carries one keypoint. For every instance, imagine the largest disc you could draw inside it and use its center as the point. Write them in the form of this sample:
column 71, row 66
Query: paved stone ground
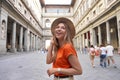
column 32, row 66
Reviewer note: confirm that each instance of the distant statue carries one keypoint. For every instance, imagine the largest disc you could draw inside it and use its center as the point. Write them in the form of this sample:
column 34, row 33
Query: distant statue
column 3, row 29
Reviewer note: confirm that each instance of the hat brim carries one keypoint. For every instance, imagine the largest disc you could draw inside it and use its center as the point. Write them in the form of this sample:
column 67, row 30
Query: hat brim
column 65, row 20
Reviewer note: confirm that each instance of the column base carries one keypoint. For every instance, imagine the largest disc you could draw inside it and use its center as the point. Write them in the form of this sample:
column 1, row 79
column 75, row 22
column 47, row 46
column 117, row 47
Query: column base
column 20, row 50
column 13, row 50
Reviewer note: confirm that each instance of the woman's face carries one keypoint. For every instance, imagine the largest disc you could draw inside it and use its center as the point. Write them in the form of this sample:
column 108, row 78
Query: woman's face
column 60, row 31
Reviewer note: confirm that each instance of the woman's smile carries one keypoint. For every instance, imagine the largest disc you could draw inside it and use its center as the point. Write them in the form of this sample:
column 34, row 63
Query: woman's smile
column 60, row 31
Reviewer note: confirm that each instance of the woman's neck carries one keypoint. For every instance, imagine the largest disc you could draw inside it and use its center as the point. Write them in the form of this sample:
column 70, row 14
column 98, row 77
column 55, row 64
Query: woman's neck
column 61, row 43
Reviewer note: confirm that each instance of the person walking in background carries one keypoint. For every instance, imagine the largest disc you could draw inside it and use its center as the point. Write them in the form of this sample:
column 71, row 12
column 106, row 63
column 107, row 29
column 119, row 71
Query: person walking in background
column 103, row 55
column 110, row 51
column 62, row 52
column 85, row 50
column 97, row 49
column 92, row 55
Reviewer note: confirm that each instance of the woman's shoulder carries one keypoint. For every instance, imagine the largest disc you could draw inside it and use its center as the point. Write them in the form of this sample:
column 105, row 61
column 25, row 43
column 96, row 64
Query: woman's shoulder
column 68, row 45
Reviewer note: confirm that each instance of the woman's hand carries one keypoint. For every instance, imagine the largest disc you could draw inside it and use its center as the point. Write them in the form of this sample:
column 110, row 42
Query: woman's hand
column 51, row 71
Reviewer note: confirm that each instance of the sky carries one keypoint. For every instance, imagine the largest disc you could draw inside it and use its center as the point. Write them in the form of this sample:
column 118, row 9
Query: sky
column 58, row 2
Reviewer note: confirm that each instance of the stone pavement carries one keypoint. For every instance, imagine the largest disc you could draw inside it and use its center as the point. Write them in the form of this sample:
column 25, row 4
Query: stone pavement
column 32, row 66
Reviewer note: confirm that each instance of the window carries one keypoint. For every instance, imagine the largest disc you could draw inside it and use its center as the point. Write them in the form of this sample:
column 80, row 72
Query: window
column 47, row 23
column 94, row 12
column 57, row 10
column 25, row 11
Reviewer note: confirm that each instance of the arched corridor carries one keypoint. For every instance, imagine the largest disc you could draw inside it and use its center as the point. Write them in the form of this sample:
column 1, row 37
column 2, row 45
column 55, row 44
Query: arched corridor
column 26, row 27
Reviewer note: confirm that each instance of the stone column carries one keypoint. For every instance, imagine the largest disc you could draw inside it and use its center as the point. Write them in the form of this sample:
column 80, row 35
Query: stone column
column 83, row 42
column 36, row 40
column 92, row 37
column 33, row 43
column 86, row 39
column 83, row 39
column 80, row 38
column 14, row 37
column 40, row 43
column 77, row 42
column 119, row 33
column 108, row 32
column 119, row 37
column 95, row 37
column 21, row 40
column 118, row 27
column 30, row 41
column 99, row 35
column 26, row 40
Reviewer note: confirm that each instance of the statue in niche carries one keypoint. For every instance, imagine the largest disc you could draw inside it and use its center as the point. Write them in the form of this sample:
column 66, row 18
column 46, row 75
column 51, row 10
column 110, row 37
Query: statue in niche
column 3, row 29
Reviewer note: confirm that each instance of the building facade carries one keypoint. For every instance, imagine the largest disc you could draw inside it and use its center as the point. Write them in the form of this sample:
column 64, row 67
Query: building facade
column 97, row 22
column 20, row 30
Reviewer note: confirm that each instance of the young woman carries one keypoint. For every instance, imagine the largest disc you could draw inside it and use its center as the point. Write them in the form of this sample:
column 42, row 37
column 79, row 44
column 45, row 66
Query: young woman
column 92, row 55
column 62, row 52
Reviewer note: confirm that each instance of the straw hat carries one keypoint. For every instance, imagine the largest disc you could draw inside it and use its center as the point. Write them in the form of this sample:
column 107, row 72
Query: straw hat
column 64, row 20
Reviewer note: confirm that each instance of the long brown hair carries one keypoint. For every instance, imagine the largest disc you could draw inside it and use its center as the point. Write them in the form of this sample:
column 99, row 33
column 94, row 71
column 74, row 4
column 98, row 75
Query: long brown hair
column 67, row 39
